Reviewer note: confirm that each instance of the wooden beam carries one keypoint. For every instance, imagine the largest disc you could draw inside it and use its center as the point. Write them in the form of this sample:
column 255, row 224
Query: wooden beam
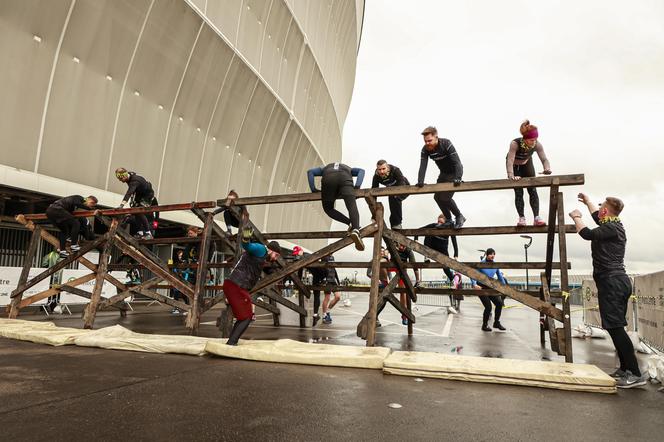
column 531, row 302
column 375, row 276
column 128, row 292
column 83, row 294
column 464, row 231
column 274, row 295
column 564, row 281
column 551, row 325
column 564, row 180
column 363, row 325
column 27, row 265
column 428, row 291
column 305, row 261
column 132, row 210
column 550, row 239
column 163, row 299
column 201, row 275
column 91, row 309
column 55, row 290
column 223, row 236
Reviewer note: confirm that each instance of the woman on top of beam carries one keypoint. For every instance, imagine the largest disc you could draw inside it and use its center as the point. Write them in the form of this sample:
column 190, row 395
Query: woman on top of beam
column 519, row 164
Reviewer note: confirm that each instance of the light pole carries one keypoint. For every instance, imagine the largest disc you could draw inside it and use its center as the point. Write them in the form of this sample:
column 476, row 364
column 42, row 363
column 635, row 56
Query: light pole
column 355, row 278
column 483, row 253
column 525, row 249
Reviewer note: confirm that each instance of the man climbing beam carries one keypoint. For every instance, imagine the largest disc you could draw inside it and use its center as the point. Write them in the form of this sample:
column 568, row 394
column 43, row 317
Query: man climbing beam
column 389, row 175
column 243, row 278
column 139, row 194
column 60, row 213
column 337, row 182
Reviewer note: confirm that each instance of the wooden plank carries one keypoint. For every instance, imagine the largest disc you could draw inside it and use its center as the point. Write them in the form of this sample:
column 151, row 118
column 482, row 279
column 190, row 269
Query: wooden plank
column 15, row 304
column 564, row 180
column 429, row 291
column 375, row 277
column 91, row 309
column 531, row 302
column 132, row 210
column 264, row 305
column 363, row 325
column 83, row 294
column 464, row 231
column 564, row 281
column 128, row 292
column 216, row 228
column 551, row 326
column 163, row 299
column 304, row 262
column 55, row 290
column 273, row 294
column 193, row 319
column 394, row 255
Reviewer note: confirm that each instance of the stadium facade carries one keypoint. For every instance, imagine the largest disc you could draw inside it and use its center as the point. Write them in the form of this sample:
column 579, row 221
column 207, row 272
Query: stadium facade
column 198, row 96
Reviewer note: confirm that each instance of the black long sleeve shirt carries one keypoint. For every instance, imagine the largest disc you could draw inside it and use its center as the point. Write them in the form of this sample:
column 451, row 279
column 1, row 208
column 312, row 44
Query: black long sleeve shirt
column 607, row 245
column 394, row 178
column 70, row 203
column 441, row 243
column 137, row 186
column 446, row 158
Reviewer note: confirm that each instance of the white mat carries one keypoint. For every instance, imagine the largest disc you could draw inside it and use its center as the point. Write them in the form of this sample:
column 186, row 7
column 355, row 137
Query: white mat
column 558, row 375
column 294, row 352
column 39, row 332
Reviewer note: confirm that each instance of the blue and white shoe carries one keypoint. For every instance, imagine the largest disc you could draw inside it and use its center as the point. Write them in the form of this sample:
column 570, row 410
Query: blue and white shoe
column 327, row 319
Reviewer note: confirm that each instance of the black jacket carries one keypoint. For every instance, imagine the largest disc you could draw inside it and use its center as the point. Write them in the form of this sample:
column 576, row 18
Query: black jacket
column 70, row 203
column 446, row 158
column 139, row 187
column 395, row 178
column 607, row 244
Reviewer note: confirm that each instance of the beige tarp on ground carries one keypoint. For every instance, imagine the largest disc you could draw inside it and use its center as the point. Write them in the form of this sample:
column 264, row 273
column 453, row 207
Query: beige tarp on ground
column 39, row 332
column 558, row 375
column 119, row 338
column 294, row 352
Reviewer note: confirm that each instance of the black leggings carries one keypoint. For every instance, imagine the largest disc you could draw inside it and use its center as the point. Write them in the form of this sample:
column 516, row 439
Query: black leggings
column 486, row 302
column 69, row 226
column 339, row 184
column 625, row 350
column 396, row 213
column 446, row 204
column 238, row 329
column 526, row 170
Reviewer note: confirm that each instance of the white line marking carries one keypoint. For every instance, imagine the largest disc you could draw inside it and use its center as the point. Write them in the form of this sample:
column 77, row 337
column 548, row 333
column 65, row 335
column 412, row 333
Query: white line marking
column 448, row 326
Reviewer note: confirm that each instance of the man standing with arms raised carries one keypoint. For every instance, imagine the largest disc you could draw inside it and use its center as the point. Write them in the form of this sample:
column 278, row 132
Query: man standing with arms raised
column 607, row 245
column 443, row 153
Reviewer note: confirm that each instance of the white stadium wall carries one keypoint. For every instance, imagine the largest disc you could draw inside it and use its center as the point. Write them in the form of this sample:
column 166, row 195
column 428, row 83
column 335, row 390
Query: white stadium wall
column 198, row 96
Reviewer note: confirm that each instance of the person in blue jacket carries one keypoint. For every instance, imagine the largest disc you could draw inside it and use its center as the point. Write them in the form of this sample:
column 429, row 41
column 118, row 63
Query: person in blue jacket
column 487, row 300
column 337, row 182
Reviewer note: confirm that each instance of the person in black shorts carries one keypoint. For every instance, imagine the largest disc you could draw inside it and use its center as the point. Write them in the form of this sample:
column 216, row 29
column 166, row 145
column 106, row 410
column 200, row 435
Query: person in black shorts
column 60, row 214
column 389, row 175
column 443, row 153
column 337, row 182
column 607, row 245
column 139, row 194
column 520, row 164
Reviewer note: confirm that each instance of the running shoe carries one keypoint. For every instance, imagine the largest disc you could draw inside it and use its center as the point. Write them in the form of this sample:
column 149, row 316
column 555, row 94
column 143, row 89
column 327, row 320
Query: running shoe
column 459, row 221
column 617, row 374
column 148, row 236
column 316, row 319
column 486, row 328
column 499, row 326
column 63, row 253
column 452, row 310
column 404, row 321
column 75, row 248
column 521, row 222
column 357, row 239
column 396, row 227
column 539, row 221
column 378, row 324
column 327, row 319
column 631, row 381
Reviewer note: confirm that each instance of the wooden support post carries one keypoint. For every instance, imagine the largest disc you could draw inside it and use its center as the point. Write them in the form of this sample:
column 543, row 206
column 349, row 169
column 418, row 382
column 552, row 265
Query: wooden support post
column 25, row 271
column 201, row 214
column 564, row 281
column 193, row 319
column 91, row 310
column 375, row 277
column 523, row 298
column 386, row 294
column 551, row 326
column 550, row 241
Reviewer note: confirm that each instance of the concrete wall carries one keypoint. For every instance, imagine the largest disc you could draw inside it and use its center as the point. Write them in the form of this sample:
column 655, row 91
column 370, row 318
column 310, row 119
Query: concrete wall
column 199, row 96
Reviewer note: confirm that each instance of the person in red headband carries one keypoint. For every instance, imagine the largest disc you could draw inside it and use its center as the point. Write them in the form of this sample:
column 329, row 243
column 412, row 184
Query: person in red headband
column 520, row 164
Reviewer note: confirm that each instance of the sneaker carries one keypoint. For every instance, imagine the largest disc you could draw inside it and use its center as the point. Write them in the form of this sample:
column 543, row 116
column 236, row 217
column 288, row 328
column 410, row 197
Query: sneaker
column 75, row 248
column 355, row 235
column 499, row 326
column 396, row 227
column 631, row 381
column 448, row 224
column 316, row 319
column 63, row 253
column 539, row 221
column 618, row 374
column 521, row 222
column 378, row 324
column 327, row 319
column 253, row 317
column 452, row 310
column 460, row 220
column 404, row 321
column 175, row 312
column 486, row 328
column 148, row 236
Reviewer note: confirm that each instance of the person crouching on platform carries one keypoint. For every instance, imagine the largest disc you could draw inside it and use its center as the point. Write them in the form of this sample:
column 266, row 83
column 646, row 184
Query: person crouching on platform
column 389, row 176
column 487, row 300
column 60, row 214
column 243, row 278
column 614, row 288
column 139, row 194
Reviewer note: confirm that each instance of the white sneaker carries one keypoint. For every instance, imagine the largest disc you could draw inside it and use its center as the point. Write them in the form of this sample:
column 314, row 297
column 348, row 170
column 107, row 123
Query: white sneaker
column 539, row 221
column 522, row 221
column 452, row 310
column 75, row 248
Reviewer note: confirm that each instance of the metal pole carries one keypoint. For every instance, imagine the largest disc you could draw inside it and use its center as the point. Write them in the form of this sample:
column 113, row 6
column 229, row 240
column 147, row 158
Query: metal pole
column 525, row 249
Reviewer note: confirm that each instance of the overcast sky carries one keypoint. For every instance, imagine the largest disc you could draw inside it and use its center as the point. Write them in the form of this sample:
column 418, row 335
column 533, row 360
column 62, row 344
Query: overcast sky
column 589, row 74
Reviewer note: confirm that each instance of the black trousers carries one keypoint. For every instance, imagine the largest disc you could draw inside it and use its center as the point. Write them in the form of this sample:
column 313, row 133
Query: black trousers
column 396, row 213
column 486, row 302
column 431, row 242
column 339, row 184
column 444, row 200
column 526, row 170
column 70, row 227
column 230, row 219
column 142, row 220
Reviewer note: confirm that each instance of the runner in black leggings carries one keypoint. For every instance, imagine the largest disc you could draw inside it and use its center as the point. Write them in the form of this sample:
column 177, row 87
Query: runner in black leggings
column 487, row 300
column 337, row 182
column 520, row 164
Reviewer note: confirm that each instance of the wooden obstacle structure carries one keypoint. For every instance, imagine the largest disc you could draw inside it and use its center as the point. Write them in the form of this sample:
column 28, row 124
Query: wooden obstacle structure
column 543, row 300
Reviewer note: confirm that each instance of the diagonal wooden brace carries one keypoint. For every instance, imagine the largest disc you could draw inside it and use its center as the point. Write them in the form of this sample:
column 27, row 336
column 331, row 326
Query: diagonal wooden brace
column 127, row 293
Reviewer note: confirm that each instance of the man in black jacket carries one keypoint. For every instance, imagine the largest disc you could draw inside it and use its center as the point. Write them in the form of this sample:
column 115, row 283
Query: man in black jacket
column 443, row 153
column 139, row 194
column 389, row 175
column 60, row 213
column 607, row 245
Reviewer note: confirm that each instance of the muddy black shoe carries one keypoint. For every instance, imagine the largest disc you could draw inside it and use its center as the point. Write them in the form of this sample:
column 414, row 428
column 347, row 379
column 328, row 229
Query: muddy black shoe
column 499, row 326
column 618, row 374
column 460, row 220
column 486, row 328
column 357, row 239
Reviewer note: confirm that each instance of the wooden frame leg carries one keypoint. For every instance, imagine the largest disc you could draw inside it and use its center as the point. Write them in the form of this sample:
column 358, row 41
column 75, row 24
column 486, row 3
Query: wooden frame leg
column 15, row 305
column 91, row 309
column 375, row 277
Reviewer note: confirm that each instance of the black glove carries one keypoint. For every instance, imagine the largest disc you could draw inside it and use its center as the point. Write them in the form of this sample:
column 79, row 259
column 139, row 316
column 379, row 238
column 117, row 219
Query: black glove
column 356, row 187
column 420, row 184
column 247, row 233
column 457, row 182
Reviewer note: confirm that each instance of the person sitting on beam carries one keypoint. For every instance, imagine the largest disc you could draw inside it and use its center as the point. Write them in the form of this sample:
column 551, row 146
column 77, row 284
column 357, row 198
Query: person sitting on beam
column 60, row 214
column 337, row 182
column 243, row 278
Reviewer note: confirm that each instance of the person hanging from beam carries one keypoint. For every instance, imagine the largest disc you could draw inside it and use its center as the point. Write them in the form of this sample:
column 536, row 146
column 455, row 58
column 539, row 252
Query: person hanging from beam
column 440, row 243
column 389, row 175
column 487, row 300
column 406, row 255
column 520, row 164
column 331, row 278
column 614, row 288
column 243, row 277
column 337, row 182
column 139, row 194
column 443, row 153
column 229, row 217
column 60, row 214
